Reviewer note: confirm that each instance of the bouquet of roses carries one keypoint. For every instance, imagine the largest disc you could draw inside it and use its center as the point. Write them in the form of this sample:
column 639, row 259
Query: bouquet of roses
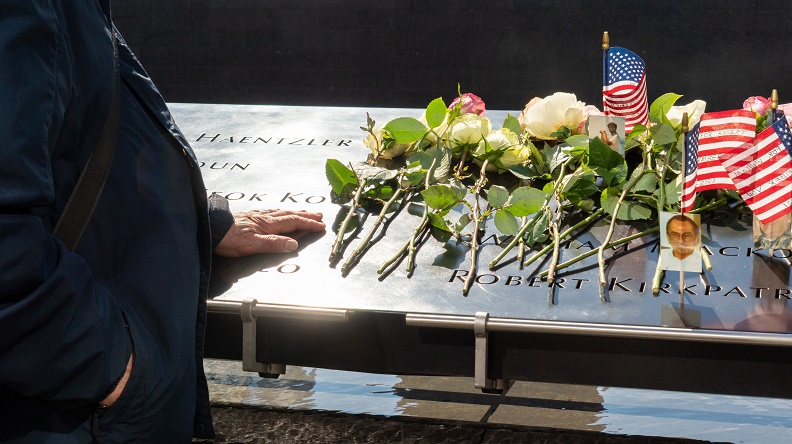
column 529, row 177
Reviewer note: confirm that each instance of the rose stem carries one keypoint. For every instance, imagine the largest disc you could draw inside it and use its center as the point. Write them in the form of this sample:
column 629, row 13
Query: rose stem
column 370, row 233
column 705, row 257
column 601, row 249
column 563, row 235
column 521, row 245
column 342, row 229
column 526, row 226
column 416, row 232
column 554, row 260
column 615, row 243
column 424, row 218
column 554, row 221
column 461, row 165
column 476, row 222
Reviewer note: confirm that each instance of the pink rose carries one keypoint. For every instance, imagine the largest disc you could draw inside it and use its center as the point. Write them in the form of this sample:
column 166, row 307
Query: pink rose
column 757, row 104
column 471, row 104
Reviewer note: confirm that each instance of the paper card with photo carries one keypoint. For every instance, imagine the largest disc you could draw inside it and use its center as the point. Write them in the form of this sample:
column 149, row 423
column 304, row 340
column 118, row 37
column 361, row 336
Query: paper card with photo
column 680, row 242
column 610, row 129
column 775, row 235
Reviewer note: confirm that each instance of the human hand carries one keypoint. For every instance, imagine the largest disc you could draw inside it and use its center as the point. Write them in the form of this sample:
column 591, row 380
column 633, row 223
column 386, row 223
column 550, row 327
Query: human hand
column 260, row 231
column 113, row 397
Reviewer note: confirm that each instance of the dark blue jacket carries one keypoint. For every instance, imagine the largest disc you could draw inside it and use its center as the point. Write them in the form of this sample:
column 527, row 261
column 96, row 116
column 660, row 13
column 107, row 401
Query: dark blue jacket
column 69, row 320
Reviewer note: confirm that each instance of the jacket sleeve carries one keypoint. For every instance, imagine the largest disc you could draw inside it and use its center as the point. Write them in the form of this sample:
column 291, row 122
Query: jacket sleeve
column 220, row 218
column 63, row 337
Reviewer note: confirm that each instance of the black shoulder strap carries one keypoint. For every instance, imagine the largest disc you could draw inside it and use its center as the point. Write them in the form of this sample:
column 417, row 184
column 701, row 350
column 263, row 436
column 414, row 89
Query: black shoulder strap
column 86, row 193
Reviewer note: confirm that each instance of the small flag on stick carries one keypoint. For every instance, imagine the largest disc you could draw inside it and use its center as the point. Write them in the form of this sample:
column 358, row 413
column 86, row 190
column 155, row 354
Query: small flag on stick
column 762, row 171
column 624, row 87
column 715, row 134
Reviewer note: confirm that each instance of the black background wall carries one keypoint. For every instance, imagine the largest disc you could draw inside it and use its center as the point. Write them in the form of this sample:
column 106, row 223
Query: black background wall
column 404, row 53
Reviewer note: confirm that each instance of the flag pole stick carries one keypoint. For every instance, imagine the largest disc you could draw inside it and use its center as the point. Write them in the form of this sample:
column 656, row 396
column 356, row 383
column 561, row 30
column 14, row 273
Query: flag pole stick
column 773, row 108
column 605, row 47
column 685, row 128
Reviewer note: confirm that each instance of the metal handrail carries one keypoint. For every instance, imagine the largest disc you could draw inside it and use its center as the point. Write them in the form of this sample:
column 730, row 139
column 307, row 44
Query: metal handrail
column 601, row 330
column 280, row 311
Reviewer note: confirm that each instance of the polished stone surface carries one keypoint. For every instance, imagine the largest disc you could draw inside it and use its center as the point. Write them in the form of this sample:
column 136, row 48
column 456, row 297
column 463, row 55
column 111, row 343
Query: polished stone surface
column 274, row 157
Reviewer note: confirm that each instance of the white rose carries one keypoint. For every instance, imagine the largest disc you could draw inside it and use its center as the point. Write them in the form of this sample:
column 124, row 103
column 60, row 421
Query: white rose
column 545, row 116
column 508, row 145
column 693, row 109
column 468, row 129
column 516, row 155
column 388, row 148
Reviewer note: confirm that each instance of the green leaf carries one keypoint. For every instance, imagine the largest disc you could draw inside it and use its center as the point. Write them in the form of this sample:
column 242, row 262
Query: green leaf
column 606, row 162
column 647, row 183
column 636, row 131
column 459, row 188
column 416, row 177
column 537, row 157
column 497, row 196
column 436, row 112
column 441, row 156
column 506, row 223
column 660, row 107
column 538, row 231
column 581, row 184
column 437, row 221
column 557, row 157
column 405, row 129
column 561, row 133
column 601, row 155
column 440, row 196
column 579, row 140
column 672, row 192
column 371, row 173
column 463, row 222
column 382, row 192
column 523, row 171
column 663, row 134
column 525, row 201
column 629, row 210
column 342, row 179
column 511, row 123
column 586, row 205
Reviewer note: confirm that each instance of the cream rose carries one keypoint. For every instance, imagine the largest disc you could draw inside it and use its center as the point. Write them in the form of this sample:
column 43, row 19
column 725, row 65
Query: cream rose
column 543, row 117
column 693, row 109
column 468, row 129
column 388, row 148
column 505, row 149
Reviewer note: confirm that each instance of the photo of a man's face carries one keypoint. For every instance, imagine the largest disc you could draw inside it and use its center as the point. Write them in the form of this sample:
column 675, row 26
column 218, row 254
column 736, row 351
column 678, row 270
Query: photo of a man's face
column 681, row 242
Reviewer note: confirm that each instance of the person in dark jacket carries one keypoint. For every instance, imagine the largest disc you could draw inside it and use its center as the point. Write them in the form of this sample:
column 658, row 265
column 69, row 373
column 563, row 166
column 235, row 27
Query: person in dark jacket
column 104, row 343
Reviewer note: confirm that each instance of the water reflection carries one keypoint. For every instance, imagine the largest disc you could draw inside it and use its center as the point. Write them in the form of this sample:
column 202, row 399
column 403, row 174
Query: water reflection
column 351, row 392
column 610, row 410
column 740, row 419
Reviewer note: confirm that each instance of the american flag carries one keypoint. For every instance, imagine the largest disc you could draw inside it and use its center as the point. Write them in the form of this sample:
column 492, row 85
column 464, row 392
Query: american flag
column 716, row 133
column 762, row 171
column 691, row 167
column 624, row 87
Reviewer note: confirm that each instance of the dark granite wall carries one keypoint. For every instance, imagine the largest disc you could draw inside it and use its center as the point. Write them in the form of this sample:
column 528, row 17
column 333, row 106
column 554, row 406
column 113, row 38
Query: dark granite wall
column 398, row 53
